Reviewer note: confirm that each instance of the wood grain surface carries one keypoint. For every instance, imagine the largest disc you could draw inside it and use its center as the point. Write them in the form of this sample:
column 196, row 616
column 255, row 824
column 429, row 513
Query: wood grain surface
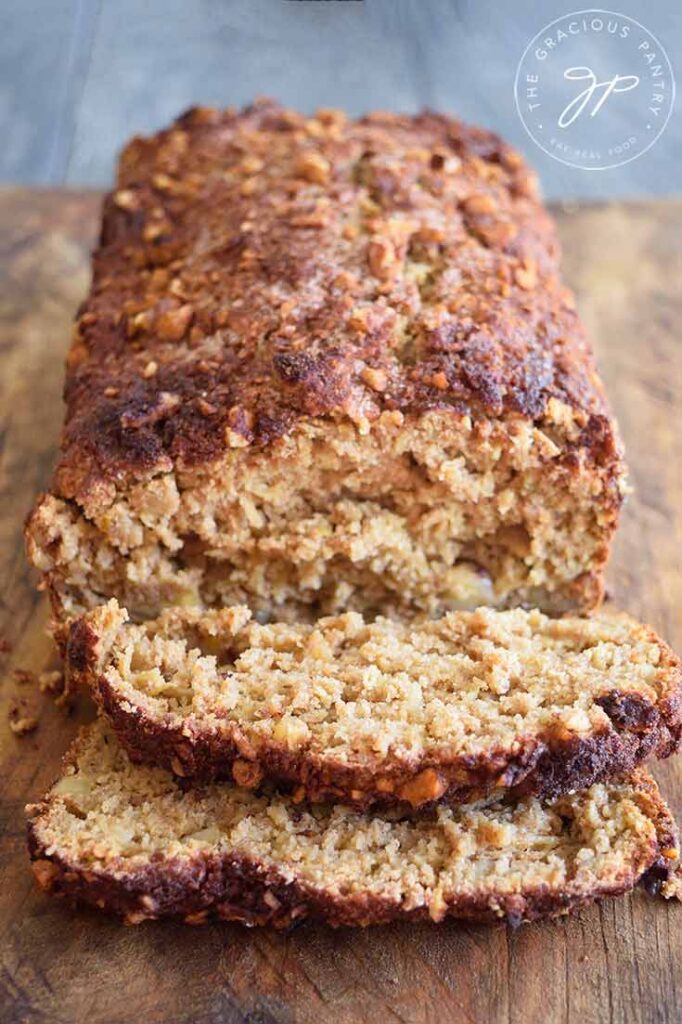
column 618, row 962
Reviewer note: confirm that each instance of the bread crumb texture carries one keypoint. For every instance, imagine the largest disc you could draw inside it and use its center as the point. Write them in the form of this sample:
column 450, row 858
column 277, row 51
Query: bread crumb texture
column 130, row 839
column 328, row 363
column 437, row 514
column 385, row 709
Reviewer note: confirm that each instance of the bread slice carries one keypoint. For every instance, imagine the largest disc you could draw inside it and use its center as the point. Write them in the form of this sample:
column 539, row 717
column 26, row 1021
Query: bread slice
column 327, row 365
column 387, row 711
column 131, row 840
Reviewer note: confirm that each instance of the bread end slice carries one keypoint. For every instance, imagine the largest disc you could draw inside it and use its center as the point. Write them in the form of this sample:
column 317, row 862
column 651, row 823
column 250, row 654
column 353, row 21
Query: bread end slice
column 129, row 840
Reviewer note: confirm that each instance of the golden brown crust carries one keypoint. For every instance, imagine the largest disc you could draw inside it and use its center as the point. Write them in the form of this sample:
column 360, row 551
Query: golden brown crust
column 259, row 267
column 546, row 766
column 546, row 763
column 237, row 889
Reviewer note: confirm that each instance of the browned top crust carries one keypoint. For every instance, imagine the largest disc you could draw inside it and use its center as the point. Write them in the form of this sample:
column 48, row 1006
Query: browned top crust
column 256, row 267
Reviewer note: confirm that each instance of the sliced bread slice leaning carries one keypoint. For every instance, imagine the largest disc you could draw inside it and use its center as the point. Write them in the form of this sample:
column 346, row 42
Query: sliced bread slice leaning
column 385, row 712
column 132, row 840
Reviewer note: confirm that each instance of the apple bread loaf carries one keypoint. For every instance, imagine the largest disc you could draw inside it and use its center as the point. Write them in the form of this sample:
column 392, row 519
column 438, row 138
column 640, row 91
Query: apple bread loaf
column 128, row 839
column 328, row 365
column 385, row 712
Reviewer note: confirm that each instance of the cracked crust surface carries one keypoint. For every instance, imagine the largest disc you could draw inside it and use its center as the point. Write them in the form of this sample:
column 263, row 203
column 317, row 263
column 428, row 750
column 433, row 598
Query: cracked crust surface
column 129, row 840
column 296, row 322
column 416, row 269
column 386, row 712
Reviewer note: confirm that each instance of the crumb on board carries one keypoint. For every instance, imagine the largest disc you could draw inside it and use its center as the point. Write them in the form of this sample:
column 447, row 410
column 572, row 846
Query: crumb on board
column 51, row 682
column 22, row 718
column 23, row 676
column 672, row 888
column 24, row 712
column 21, row 726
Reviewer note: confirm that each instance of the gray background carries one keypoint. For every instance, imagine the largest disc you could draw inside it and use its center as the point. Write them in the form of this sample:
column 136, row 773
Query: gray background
column 78, row 77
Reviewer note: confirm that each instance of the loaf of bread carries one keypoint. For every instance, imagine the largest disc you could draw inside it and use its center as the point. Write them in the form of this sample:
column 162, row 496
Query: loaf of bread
column 328, row 365
column 386, row 712
column 130, row 840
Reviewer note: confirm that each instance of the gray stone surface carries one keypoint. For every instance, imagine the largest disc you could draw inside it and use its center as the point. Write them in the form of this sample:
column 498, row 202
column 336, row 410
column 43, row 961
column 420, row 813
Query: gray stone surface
column 78, row 77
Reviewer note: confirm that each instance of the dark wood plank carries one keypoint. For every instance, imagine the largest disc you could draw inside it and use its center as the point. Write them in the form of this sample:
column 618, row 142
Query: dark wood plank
column 618, row 962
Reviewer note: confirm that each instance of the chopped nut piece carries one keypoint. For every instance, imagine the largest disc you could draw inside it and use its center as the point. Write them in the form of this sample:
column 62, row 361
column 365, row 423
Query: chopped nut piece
column 438, row 907
column 249, row 187
column 499, row 234
column 271, row 900
column 314, row 167
column 430, row 233
column 382, row 259
column 425, row 787
column 152, row 232
column 177, row 288
column 162, row 406
column 198, row 917
column 139, row 322
column 150, row 369
column 159, row 279
column 135, row 917
column 293, row 732
column 375, row 379
column 331, row 116
column 247, row 773
column 126, row 199
column 526, row 277
column 163, row 183
column 206, row 408
column 239, row 417
column 315, row 128
column 234, row 439
column 359, row 320
column 252, row 165
column 173, row 325
column 480, row 204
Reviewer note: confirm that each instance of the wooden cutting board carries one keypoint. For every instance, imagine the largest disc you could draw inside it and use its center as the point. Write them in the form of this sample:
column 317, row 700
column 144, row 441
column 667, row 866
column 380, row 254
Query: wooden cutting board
column 618, row 962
